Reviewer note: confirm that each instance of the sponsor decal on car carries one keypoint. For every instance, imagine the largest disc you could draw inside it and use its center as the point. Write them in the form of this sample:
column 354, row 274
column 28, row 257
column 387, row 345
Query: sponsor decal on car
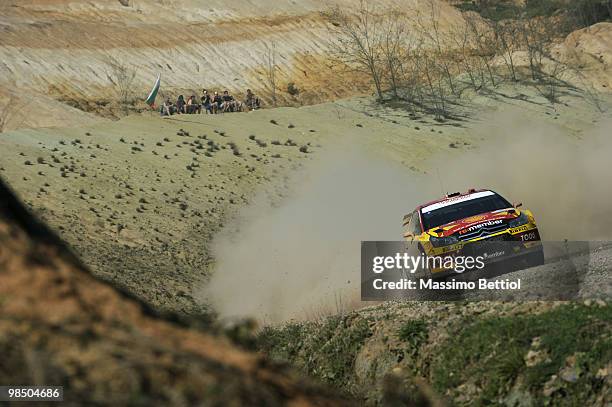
column 520, row 229
column 454, row 200
column 494, row 254
column 529, row 236
column 473, row 219
column 480, row 226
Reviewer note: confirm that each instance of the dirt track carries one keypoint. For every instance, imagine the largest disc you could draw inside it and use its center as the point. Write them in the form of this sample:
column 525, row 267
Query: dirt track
column 572, row 271
column 141, row 199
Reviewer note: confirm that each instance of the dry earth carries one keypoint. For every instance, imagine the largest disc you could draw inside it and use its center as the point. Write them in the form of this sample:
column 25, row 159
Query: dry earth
column 62, row 49
column 140, row 199
column 56, row 55
column 59, row 325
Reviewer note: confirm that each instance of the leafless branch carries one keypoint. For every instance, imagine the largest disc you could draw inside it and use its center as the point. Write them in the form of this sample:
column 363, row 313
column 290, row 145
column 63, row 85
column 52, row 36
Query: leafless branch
column 122, row 77
column 271, row 67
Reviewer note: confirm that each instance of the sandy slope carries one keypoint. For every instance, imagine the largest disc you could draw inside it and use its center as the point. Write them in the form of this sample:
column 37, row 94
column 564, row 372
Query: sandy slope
column 62, row 48
column 58, row 52
column 142, row 188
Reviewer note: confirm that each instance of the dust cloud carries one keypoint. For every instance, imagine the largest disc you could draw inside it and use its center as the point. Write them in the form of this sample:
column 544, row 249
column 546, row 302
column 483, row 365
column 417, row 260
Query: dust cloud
column 565, row 180
column 301, row 259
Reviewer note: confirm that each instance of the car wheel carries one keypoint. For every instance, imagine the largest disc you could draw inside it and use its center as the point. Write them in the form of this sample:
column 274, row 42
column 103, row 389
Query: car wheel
column 535, row 259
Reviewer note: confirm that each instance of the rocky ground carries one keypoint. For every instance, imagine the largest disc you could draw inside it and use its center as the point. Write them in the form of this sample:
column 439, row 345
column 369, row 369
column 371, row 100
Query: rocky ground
column 145, row 203
column 155, row 190
column 530, row 353
column 141, row 200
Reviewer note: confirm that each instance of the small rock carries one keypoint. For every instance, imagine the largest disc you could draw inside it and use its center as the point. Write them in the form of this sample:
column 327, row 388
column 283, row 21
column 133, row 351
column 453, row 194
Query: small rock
column 570, row 374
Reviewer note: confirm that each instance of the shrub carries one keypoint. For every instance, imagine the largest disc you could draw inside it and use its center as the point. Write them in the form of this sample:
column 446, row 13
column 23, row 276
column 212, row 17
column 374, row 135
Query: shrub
column 413, row 332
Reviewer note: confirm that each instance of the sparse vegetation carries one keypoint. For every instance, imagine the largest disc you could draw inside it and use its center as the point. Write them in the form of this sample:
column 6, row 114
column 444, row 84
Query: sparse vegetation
column 413, row 60
column 575, row 14
column 292, row 89
column 551, row 357
column 122, row 77
column 328, row 355
column 491, row 352
column 413, row 332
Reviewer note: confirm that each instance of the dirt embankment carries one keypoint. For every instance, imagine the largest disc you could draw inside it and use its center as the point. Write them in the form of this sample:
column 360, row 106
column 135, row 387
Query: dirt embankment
column 63, row 49
column 61, row 326
column 56, row 56
column 463, row 353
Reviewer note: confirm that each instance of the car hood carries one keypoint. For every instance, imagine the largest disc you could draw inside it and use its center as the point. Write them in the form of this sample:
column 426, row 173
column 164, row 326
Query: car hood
column 472, row 224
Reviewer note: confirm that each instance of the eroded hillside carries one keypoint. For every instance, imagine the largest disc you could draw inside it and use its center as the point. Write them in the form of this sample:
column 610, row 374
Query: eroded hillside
column 64, row 49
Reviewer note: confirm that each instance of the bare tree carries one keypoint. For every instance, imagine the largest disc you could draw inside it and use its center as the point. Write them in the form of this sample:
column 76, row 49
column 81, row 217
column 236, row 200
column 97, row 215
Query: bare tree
column 550, row 81
column 428, row 28
column 395, row 49
column 507, row 36
column 434, row 92
column 411, row 73
column 122, row 77
column 271, row 67
column 481, row 39
column 536, row 38
column 357, row 38
column 464, row 59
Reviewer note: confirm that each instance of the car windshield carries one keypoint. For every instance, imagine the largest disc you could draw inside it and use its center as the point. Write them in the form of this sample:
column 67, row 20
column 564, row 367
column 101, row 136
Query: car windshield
column 444, row 212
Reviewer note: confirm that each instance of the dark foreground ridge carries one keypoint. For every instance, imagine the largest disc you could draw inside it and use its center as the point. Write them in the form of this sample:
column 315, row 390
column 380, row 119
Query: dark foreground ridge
column 61, row 326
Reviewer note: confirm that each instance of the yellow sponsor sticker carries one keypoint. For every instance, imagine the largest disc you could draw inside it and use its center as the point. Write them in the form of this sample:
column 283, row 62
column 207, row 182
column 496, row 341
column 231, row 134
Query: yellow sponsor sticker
column 520, row 229
column 476, row 218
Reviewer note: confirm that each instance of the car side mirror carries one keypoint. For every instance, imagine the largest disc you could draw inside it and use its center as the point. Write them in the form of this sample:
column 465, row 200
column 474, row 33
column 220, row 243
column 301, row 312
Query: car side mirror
column 406, row 219
column 518, row 204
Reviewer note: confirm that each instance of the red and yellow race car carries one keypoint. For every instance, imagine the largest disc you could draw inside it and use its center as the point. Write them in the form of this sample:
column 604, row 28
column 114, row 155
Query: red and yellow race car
column 478, row 222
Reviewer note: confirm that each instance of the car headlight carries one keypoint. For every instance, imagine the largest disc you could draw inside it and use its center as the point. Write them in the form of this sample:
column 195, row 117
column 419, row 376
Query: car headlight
column 443, row 241
column 521, row 220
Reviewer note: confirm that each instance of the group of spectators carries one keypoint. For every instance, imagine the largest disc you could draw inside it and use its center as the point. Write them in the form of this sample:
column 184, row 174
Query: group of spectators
column 212, row 104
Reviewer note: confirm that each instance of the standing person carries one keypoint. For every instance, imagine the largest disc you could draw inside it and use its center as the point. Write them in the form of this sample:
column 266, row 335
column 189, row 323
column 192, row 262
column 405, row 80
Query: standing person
column 180, row 104
column 206, row 102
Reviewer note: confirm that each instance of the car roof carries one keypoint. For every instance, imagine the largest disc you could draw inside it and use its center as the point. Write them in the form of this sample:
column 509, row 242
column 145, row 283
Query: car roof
column 453, row 197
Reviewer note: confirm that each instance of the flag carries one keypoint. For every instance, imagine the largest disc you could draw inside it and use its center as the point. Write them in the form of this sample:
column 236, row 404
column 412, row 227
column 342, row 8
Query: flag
column 151, row 98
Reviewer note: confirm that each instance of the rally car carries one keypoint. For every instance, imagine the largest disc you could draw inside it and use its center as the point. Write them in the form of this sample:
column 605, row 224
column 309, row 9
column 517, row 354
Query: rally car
column 476, row 223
